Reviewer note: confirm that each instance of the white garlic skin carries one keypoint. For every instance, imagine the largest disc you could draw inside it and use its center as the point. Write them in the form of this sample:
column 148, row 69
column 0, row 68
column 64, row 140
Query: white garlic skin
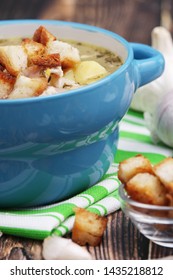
column 163, row 119
column 147, row 97
column 59, row 248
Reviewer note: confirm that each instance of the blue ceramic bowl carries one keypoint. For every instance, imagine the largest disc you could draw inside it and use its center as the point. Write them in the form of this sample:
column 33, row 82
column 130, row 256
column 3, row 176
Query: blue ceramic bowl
column 54, row 147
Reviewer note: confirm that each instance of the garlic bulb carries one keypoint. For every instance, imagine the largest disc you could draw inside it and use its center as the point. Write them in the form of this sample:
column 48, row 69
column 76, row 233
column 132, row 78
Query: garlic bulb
column 147, row 97
column 59, row 248
column 160, row 122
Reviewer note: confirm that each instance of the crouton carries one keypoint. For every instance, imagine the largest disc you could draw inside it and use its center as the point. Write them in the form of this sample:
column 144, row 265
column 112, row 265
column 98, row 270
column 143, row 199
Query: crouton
column 32, row 47
column 49, row 91
column 43, row 36
column 131, row 166
column 2, row 68
column 56, row 72
column 170, row 203
column 27, row 87
column 34, row 71
column 69, row 55
column 6, row 84
column 170, row 199
column 88, row 227
column 13, row 58
column 164, row 171
column 62, row 82
column 146, row 188
column 46, row 60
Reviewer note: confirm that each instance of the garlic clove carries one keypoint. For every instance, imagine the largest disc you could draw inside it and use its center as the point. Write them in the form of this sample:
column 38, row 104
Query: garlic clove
column 163, row 119
column 161, row 40
column 160, row 121
column 59, row 248
column 89, row 71
column 147, row 97
column 148, row 117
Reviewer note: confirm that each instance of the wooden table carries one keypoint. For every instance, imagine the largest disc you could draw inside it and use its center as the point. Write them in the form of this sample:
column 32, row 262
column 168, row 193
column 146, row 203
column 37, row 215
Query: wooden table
column 133, row 20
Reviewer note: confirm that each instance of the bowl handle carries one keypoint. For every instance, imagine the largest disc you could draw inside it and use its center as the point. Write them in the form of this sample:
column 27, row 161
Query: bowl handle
column 148, row 64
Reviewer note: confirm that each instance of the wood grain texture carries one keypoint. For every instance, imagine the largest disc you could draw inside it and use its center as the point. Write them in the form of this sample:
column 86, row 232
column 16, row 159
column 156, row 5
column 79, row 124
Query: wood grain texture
column 22, row 9
column 133, row 20
column 166, row 14
column 17, row 248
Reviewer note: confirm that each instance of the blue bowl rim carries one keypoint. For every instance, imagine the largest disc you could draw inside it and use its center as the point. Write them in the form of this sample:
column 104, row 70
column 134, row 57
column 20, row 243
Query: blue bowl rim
column 82, row 89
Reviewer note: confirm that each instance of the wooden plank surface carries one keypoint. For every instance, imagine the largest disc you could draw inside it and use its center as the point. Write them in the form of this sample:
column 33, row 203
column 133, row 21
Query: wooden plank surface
column 133, row 20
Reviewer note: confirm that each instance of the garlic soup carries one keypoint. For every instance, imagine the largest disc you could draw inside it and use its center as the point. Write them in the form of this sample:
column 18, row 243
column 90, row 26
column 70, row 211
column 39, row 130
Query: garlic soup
column 44, row 65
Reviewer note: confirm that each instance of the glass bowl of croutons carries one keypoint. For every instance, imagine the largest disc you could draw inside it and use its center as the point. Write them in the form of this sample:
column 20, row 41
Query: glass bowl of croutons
column 146, row 195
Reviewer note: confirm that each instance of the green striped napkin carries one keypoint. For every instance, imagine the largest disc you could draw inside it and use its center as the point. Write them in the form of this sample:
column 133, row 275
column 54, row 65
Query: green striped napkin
column 102, row 198
column 55, row 219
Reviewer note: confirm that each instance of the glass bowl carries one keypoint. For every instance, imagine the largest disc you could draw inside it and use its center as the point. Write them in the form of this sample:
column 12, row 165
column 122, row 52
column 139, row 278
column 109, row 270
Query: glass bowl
column 154, row 222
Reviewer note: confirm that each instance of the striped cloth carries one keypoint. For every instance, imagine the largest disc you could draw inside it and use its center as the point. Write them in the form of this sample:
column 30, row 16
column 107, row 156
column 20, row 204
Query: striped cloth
column 102, row 198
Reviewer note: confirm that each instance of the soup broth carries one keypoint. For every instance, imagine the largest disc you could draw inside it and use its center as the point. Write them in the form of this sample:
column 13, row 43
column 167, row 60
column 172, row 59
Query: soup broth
column 111, row 61
column 72, row 64
column 106, row 58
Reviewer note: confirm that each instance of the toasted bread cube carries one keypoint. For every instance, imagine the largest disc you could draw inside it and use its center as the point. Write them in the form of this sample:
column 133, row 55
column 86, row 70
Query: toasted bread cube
column 131, row 166
column 62, row 82
column 83, row 238
column 146, row 188
column 6, row 84
column 2, row 68
column 34, row 71
column 170, row 203
column 170, row 199
column 49, row 91
column 46, row 60
column 164, row 171
column 43, row 36
column 27, row 87
column 33, row 48
column 13, row 58
column 69, row 55
column 88, row 227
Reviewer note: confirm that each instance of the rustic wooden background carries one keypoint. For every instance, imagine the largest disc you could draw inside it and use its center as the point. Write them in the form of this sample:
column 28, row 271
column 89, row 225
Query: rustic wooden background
column 133, row 20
